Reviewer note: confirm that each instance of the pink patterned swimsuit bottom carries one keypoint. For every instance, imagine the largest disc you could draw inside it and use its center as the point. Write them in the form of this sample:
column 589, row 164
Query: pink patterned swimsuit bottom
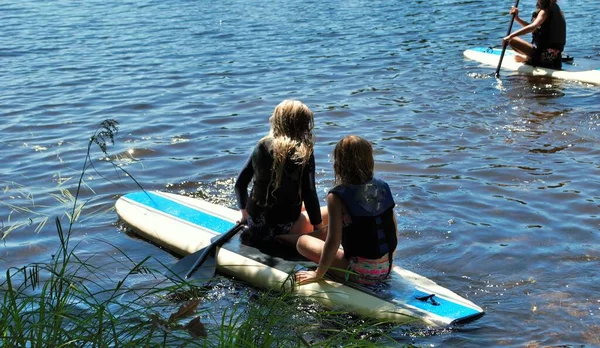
column 367, row 271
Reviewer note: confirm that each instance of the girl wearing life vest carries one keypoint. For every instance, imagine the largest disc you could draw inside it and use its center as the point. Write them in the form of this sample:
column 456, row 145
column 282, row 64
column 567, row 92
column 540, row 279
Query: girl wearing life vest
column 361, row 218
column 282, row 170
column 549, row 32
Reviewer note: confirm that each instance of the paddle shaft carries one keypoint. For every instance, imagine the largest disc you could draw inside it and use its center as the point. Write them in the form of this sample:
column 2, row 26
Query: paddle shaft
column 208, row 250
column 512, row 20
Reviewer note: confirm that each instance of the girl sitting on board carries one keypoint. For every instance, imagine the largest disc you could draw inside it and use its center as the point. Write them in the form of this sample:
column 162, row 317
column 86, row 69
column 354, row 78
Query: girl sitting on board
column 361, row 219
column 282, row 170
column 549, row 33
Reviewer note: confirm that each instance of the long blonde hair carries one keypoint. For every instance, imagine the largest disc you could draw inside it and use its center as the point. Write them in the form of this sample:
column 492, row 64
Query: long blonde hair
column 353, row 162
column 291, row 130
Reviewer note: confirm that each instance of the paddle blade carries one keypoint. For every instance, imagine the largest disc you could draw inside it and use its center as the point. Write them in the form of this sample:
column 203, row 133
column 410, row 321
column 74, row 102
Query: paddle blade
column 203, row 259
column 206, row 272
column 182, row 267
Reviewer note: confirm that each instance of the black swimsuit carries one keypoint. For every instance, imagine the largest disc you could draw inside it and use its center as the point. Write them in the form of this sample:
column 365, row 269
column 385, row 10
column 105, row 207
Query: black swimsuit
column 273, row 212
column 549, row 39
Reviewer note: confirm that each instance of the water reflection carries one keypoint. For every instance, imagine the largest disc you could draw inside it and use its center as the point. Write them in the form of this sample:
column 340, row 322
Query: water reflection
column 537, row 88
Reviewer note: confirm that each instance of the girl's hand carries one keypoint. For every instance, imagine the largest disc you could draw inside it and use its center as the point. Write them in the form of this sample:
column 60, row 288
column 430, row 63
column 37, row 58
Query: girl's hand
column 303, row 277
column 515, row 11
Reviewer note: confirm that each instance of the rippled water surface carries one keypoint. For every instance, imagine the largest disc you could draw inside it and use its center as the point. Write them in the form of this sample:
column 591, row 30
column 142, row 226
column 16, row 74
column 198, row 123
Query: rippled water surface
column 497, row 181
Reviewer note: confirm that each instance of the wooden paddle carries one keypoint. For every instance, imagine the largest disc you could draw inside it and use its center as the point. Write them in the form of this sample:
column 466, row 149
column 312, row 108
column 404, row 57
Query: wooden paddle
column 504, row 44
column 202, row 264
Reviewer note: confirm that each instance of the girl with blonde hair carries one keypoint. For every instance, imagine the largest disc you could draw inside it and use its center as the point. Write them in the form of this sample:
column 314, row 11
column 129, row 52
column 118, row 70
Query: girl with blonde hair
column 282, row 171
column 361, row 218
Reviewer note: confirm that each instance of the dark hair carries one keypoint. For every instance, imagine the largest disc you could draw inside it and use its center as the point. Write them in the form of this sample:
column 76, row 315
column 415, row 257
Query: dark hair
column 353, row 161
column 544, row 4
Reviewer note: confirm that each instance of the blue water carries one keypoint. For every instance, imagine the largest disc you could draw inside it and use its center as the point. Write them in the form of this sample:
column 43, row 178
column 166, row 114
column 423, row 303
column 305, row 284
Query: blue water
column 497, row 181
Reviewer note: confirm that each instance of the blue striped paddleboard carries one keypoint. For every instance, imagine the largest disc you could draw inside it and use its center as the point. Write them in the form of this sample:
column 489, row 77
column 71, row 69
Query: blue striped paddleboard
column 491, row 56
column 184, row 225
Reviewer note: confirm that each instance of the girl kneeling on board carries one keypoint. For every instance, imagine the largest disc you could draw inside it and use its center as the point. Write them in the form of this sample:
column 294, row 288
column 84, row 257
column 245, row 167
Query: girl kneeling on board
column 549, row 35
column 361, row 218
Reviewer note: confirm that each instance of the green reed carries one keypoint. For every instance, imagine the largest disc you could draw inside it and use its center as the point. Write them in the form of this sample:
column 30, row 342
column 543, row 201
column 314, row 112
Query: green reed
column 275, row 319
column 65, row 302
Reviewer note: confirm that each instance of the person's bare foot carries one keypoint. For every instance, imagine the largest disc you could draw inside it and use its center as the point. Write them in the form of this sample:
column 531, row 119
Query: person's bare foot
column 521, row 59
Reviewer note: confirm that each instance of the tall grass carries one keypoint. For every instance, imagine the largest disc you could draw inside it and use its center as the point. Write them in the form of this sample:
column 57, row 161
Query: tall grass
column 275, row 319
column 65, row 302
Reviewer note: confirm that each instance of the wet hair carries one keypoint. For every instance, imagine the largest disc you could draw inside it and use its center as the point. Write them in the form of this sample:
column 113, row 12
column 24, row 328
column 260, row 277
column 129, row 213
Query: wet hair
column 353, row 161
column 291, row 130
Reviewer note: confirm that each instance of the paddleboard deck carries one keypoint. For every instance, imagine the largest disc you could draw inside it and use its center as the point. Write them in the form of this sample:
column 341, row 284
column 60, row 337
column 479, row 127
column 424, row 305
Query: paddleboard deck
column 184, row 225
column 491, row 56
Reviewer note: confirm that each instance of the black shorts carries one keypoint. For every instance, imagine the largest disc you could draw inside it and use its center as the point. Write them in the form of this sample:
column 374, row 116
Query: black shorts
column 262, row 229
column 261, row 236
column 547, row 58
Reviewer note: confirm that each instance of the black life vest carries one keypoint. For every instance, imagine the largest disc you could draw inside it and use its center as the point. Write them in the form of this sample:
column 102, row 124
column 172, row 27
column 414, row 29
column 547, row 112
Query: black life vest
column 553, row 32
column 372, row 232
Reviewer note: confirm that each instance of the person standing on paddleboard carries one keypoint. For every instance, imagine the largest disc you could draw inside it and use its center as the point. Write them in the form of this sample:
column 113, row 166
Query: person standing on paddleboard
column 549, row 32
column 361, row 218
column 282, row 170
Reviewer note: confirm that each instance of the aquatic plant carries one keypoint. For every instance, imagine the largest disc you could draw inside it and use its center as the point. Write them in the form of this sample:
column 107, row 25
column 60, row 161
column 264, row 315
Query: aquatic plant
column 61, row 303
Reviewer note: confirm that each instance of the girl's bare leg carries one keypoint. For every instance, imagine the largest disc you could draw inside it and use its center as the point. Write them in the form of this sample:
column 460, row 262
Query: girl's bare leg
column 303, row 225
column 523, row 48
column 311, row 248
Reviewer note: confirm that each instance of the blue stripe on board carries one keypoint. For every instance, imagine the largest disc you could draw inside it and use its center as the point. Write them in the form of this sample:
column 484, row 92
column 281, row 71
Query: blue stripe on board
column 445, row 308
column 487, row 50
column 183, row 212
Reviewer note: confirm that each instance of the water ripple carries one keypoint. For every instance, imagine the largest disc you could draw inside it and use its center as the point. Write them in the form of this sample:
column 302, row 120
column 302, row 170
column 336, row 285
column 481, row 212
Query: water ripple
column 496, row 181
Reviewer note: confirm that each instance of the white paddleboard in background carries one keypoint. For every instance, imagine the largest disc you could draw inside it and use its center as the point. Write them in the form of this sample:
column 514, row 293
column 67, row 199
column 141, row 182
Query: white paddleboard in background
column 184, row 225
column 490, row 56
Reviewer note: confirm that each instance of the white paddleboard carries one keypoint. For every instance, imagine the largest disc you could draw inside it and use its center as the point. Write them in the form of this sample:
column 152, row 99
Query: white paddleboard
column 491, row 56
column 184, row 225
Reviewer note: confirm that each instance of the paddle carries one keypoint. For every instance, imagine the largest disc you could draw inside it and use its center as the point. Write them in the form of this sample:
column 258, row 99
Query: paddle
column 504, row 44
column 202, row 264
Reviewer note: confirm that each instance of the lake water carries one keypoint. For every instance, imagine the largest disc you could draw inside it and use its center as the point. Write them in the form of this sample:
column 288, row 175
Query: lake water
column 497, row 181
